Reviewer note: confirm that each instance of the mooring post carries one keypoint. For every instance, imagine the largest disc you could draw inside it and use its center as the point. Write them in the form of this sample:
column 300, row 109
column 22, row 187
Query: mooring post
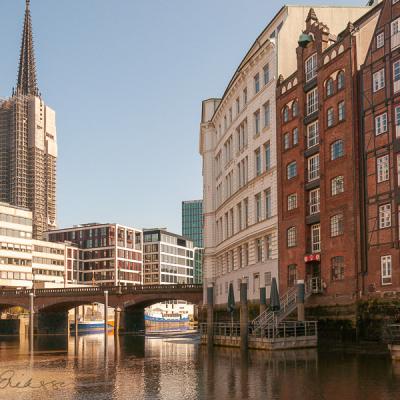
column 117, row 320
column 263, row 299
column 76, row 321
column 244, row 316
column 105, row 312
column 300, row 300
column 31, row 319
column 210, row 316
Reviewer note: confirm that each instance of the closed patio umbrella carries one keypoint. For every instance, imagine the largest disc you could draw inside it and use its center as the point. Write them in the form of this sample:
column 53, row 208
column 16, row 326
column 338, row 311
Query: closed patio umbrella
column 274, row 297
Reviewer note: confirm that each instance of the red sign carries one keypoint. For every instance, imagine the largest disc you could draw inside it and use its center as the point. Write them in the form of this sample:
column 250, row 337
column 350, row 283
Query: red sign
column 312, row 257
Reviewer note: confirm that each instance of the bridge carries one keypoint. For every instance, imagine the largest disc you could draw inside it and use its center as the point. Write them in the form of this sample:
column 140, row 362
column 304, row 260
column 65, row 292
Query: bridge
column 49, row 307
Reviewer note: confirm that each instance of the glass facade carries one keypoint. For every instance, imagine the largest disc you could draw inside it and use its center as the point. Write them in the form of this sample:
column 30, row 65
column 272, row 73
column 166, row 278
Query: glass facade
column 192, row 228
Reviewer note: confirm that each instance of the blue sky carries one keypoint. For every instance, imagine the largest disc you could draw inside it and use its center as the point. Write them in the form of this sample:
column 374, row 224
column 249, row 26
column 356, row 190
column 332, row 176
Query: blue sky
column 126, row 79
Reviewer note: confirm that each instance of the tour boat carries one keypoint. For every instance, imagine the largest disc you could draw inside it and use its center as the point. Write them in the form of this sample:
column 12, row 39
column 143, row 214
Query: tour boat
column 91, row 326
column 158, row 316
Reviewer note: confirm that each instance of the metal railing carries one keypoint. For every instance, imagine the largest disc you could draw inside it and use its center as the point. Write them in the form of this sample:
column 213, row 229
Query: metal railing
column 282, row 330
column 391, row 334
column 90, row 290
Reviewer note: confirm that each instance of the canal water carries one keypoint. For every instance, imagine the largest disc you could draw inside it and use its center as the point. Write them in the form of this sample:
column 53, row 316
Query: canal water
column 178, row 367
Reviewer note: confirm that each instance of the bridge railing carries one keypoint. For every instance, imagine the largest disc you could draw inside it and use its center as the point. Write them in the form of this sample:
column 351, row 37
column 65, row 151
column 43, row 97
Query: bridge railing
column 90, row 290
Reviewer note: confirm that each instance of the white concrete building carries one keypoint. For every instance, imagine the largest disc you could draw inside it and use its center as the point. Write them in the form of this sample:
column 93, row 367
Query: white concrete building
column 238, row 146
column 15, row 247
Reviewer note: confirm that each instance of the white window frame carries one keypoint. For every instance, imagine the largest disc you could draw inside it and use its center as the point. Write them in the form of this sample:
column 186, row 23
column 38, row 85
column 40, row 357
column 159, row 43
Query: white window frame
column 335, row 156
column 292, row 201
column 310, row 67
column 397, row 120
column 396, row 76
column 385, row 216
column 337, row 188
column 337, row 225
column 286, row 141
column 382, row 168
column 315, row 238
column 380, row 40
column 289, row 168
column 312, row 101
column 386, row 270
column 313, row 167
column 291, row 239
column 378, row 80
column 341, row 111
column 314, row 197
column 395, row 33
column 313, row 134
column 381, row 125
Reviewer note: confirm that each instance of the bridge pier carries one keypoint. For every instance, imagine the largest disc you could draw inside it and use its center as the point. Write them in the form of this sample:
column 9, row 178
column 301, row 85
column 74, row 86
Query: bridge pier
column 131, row 321
column 244, row 316
column 51, row 323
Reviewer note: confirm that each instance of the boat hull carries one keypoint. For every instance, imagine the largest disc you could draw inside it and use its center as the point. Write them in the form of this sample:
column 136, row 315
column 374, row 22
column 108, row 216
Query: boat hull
column 90, row 327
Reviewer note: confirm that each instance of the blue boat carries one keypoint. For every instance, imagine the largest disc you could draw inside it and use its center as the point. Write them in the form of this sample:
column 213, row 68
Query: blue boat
column 85, row 327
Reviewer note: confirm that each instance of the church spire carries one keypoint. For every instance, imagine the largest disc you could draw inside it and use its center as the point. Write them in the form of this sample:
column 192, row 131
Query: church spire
column 26, row 83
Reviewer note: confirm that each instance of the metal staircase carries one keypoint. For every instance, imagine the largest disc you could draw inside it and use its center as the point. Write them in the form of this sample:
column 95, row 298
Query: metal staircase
column 288, row 302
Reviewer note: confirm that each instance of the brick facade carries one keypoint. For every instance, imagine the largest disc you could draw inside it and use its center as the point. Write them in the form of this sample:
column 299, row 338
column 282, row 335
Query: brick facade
column 329, row 195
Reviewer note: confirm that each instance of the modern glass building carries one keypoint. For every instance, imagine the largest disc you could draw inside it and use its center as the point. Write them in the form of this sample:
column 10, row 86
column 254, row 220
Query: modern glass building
column 192, row 221
column 192, row 228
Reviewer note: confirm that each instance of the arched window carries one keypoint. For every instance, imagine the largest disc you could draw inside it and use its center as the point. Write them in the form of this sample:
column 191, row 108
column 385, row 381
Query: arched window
column 329, row 87
column 286, row 114
column 291, row 237
column 337, row 149
column 340, row 80
column 295, row 108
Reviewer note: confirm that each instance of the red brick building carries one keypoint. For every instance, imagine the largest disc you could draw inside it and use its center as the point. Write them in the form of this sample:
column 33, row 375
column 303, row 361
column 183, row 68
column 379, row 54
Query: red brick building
column 380, row 132
column 318, row 148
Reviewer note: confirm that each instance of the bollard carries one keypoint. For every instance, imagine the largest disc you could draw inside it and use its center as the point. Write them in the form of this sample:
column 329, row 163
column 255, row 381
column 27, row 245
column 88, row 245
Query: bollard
column 31, row 319
column 117, row 319
column 263, row 299
column 300, row 300
column 244, row 317
column 210, row 316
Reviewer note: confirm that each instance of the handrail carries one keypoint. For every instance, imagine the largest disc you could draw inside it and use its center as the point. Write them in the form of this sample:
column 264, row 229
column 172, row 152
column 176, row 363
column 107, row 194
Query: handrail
column 90, row 290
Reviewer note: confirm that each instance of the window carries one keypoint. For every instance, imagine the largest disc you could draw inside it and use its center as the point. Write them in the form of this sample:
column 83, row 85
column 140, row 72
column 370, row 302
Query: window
column 337, row 149
column 380, row 40
column 259, row 246
column 386, row 270
column 267, row 278
column 295, row 109
column 316, row 238
column 341, row 111
column 337, row 265
column 380, row 124
column 268, row 205
column 385, row 216
column 312, row 101
column 292, row 201
column 246, row 213
column 337, row 225
column 230, row 115
column 330, row 117
column 258, row 207
column 244, row 96
column 237, row 106
column 337, row 185
column 341, row 80
column 329, row 87
column 286, row 114
column 397, row 120
column 267, row 114
column 378, row 81
column 311, row 67
column 395, row 33
column 292, row 275
column 396, row 76
column 286, row 141
column 257, row 83
column 382, row 166
column 266, row 74
column 295, row 136
column 314, row 198
column 291, row 237
column 292, row 170
column 239, row 216
column 313, row 167
column 257, row 122
column 267, row 153
column 257, row 155
column 312, row 134
column 246, row 254
column 268, row 247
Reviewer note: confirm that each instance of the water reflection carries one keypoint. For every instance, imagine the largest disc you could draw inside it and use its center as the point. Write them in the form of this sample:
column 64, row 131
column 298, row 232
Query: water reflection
column 135, row 367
